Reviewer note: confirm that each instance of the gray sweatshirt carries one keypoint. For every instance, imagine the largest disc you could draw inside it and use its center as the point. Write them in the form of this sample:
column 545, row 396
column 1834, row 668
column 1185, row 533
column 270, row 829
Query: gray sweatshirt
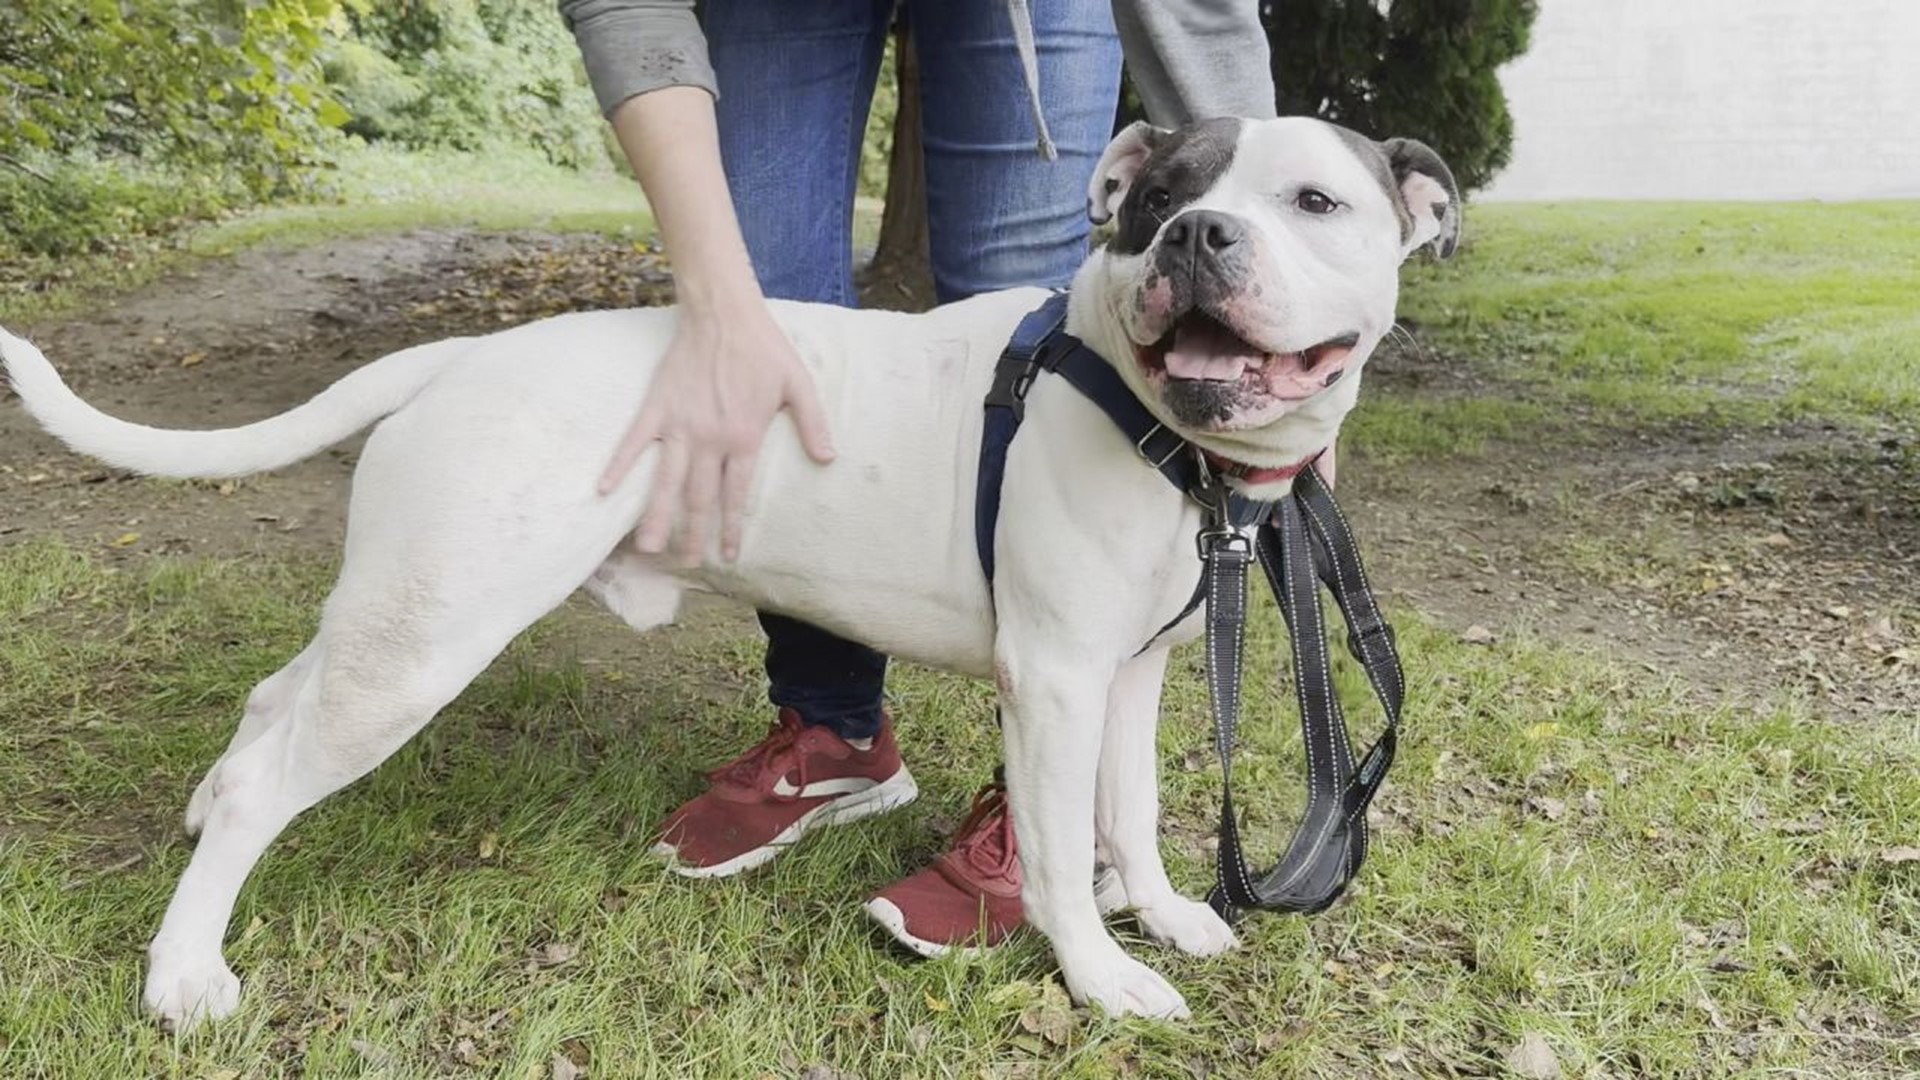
column 1189, row 59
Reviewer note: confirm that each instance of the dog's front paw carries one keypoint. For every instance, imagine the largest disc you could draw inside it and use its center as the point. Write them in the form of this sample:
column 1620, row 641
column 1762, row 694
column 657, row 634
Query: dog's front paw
column 181, row 995
column 1124, row 987
column 1187, row 925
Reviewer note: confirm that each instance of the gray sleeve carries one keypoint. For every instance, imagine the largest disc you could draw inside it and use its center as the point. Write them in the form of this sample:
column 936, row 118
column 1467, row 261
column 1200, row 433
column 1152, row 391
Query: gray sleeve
column 633, row 46
column 1195, row 59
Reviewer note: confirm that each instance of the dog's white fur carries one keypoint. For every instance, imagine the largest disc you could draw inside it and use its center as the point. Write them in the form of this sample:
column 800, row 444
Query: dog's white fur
column 474, row 512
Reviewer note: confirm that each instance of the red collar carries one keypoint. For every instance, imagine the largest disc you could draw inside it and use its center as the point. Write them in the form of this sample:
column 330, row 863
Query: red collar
column 1255, row 474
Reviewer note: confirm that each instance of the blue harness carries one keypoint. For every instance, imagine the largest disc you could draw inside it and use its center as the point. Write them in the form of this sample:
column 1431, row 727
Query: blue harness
column 1300, row 540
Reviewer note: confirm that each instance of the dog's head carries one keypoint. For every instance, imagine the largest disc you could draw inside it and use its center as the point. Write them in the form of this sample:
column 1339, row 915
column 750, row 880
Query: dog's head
column 1253, row 267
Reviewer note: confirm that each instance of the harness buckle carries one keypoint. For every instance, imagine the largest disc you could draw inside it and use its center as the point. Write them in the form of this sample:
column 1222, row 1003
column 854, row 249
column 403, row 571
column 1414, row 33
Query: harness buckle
column 1141, row 446
column 1222, row 540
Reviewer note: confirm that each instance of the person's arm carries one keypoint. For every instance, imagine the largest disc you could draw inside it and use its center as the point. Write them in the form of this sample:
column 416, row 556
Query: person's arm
column 729, row 368
column 1196, row 59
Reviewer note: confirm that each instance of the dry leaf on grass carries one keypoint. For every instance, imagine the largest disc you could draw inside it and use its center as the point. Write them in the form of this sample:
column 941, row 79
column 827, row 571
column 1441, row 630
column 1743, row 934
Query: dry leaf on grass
column 1051, row 1017
column 1478, row 635
column 552, row 954
column 1898, row 855
column 561, row 1067
column 1533, row 1059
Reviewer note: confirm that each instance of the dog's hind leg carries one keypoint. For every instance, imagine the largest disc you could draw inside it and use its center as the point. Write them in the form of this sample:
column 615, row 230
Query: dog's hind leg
column 400, row 638
column 268, row 704
column 1127, row 813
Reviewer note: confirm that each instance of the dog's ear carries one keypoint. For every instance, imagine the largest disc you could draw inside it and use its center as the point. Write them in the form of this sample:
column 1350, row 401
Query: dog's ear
column 1118, row 166
column 1428, row 195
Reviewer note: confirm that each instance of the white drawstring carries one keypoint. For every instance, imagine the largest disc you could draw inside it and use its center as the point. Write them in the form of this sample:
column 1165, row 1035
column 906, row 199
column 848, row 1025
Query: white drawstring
column 1022, row 17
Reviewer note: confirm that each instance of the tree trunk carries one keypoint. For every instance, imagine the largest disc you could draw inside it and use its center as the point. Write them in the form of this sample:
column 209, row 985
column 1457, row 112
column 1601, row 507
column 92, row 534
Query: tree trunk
column 901, row 273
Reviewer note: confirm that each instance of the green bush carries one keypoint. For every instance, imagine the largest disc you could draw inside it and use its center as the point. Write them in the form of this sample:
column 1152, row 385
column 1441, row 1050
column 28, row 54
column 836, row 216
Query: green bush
column 466, row 75
column 1422, row 68
column 224, row 92
column 85, row 205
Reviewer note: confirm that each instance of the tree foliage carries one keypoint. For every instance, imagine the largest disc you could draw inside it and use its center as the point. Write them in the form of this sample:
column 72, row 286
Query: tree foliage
column 116, row 114
column 122, row 117
column 466, row 74
column 228, row 86
column 1420, row 68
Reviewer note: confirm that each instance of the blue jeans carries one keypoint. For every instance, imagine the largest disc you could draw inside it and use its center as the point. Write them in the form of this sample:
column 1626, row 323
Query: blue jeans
column 796, row 80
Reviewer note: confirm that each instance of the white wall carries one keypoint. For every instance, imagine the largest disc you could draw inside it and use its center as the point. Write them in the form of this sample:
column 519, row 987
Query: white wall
column 1716, row 99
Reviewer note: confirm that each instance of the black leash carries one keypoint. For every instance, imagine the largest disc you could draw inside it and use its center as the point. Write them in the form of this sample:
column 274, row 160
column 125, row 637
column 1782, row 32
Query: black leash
column 1300, row 541
column 1305, row 541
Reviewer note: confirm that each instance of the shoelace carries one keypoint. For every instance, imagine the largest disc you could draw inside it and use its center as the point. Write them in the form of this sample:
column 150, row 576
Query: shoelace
column 978, row 845
column 761, row 766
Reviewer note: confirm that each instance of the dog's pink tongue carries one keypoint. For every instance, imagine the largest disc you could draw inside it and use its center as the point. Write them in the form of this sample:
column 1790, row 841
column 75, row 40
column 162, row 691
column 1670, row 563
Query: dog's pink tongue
column 1203, row 349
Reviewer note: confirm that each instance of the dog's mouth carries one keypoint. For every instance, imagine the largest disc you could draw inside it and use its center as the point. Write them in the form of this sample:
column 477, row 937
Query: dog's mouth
column 1200, row 348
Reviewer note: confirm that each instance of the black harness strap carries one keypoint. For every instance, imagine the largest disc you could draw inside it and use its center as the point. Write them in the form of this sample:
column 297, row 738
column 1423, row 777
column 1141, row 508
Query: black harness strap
column 1298, row 538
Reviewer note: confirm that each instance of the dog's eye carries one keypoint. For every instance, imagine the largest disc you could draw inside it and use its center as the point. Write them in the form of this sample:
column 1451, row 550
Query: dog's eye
column 1315, row 202
column 1156, row 199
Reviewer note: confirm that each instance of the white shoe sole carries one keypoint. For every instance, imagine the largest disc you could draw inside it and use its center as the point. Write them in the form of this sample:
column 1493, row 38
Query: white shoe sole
column 890, row 794
column 1109, row 895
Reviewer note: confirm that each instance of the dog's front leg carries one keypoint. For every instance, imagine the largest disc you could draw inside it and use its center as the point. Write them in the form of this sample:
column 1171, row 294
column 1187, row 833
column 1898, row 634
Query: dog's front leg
column 1127, row 813
column 1053, row 702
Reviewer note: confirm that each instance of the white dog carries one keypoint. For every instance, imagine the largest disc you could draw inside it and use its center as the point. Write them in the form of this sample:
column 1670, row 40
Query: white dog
column 1253, row 269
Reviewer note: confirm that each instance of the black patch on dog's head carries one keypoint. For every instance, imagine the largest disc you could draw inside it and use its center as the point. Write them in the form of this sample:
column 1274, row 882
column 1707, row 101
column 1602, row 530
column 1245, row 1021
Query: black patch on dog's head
column 1185, row 165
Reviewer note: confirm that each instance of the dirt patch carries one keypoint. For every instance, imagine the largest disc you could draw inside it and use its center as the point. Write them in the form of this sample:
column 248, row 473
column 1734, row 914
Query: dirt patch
column 1740, row 563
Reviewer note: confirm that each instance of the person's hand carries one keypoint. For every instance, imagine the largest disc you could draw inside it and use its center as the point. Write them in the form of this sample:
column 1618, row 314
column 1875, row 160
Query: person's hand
column 726, row 373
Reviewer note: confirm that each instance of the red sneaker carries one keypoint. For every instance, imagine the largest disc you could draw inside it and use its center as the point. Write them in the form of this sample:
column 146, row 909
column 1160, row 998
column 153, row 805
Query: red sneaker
column 969, row 899
column 797, row 778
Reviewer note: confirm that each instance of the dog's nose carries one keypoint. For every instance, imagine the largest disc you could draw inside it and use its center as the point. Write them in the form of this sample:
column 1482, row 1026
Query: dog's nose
column 1203, row 232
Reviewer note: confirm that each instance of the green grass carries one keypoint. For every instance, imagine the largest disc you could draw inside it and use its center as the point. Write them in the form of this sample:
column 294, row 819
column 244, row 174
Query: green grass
column 374, row 190
column 1565, row 847
column 1592, row 315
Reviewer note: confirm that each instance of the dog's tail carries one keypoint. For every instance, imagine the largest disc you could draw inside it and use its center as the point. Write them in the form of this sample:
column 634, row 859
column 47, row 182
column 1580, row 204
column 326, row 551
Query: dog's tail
column 347, row 406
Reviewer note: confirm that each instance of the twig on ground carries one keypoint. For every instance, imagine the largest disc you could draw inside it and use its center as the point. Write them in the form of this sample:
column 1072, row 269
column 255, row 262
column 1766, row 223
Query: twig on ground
column 6, row 159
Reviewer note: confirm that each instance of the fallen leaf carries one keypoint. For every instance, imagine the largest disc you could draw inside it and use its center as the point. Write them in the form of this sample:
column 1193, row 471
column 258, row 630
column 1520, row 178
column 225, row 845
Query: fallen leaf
column 1544, row 730
column 934, row 1003
column 1898, row 855
column 126, row 538
column 1806, row 826
column 37, row 478
column 489, row 845
column 1707, row 1005
column 561, row 1067
column 193, row 359
column 1728, row 964
column 465, row 1052
column 1051, row 1017
column 1548, row 807
column 1477, row 635
column 1533, row 1059
column 553, row 954
column 1839, row 611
